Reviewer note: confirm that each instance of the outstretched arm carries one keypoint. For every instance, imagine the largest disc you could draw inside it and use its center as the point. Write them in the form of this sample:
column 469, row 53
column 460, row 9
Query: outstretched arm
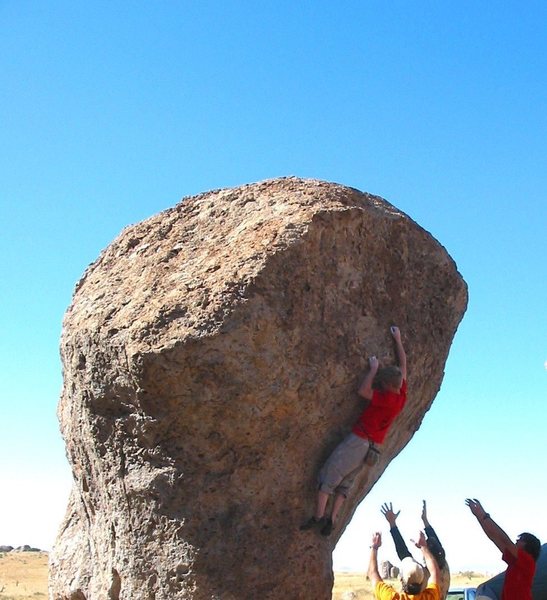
column 365, row 389
column 429, row 531
column 401, row 354
column 491, row 528
column 373, row 573
column 430, row 562
column 425, row 520
column 391, row 517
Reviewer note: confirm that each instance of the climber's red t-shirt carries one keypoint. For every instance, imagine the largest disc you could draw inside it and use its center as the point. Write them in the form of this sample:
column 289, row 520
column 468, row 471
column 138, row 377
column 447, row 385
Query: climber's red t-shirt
column 377, row 417
column 519, row 576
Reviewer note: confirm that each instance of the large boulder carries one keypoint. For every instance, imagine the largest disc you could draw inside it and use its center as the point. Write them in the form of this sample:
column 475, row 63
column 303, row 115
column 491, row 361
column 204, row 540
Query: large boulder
column 211, row 359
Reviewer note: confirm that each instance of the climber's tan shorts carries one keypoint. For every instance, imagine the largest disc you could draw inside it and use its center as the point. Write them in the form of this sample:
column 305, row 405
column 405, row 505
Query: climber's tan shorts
column 338, row 473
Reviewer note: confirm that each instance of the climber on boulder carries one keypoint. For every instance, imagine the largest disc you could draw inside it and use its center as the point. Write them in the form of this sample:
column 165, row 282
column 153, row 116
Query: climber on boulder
column 385, row 389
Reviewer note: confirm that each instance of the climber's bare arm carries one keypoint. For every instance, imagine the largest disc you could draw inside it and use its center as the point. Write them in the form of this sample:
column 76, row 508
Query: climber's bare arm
column 373, row 573
column 401, row 354
column 365, row 389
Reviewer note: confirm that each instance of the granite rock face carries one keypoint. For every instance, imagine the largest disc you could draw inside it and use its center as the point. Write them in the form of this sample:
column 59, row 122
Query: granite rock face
column 211, row 359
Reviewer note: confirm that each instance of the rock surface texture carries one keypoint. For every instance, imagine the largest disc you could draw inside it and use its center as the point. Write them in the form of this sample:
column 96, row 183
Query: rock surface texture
column 211, row 359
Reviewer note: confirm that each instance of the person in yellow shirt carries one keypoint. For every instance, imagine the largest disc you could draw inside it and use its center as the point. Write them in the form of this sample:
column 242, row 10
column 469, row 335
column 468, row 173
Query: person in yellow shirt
column 412, row 575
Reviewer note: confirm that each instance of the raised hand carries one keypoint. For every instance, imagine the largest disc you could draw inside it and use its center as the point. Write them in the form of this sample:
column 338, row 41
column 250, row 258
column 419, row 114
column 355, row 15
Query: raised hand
column 376, row 540
column 421, row 540
column 389, row 514
column 395, row 332
column 476, row 508
column 424, row 514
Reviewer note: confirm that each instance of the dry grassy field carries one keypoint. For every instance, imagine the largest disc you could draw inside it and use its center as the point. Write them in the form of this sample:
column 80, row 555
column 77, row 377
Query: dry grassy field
column 23, row 576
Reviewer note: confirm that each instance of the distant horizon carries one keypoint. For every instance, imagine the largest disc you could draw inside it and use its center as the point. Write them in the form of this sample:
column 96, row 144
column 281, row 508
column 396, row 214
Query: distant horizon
column 340, row 569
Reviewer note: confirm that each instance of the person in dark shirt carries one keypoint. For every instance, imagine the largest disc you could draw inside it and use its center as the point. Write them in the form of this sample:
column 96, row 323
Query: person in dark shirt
column 432, row 541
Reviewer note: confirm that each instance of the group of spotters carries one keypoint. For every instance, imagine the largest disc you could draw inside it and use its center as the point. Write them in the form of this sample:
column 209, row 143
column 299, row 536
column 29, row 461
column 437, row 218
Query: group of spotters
column 384, row 389
column 431, row 582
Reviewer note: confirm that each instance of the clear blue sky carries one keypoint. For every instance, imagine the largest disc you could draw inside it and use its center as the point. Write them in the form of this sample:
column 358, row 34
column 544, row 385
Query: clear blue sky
column 112, row 111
